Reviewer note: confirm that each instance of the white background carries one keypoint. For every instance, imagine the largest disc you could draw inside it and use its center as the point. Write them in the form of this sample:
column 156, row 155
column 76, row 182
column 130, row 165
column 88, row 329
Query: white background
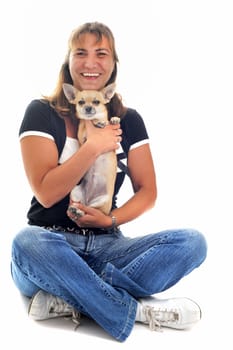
column 176, row 69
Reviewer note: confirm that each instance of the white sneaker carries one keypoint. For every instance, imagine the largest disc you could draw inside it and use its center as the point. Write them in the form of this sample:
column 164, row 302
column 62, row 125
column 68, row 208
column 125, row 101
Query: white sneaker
column 178, row 313
column 44, row 306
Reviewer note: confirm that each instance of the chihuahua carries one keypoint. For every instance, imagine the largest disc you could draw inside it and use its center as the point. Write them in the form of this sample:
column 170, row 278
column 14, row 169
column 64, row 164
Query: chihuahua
column 97, row 186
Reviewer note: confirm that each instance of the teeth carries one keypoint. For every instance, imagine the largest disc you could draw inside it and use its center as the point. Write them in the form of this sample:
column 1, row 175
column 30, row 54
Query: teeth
column 90, row 74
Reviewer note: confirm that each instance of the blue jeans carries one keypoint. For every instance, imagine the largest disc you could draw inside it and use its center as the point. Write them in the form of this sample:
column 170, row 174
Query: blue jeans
column 102, row 276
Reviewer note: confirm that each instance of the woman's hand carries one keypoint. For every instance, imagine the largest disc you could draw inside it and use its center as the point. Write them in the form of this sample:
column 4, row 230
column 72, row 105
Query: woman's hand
column 103, row 139
column 87, row 216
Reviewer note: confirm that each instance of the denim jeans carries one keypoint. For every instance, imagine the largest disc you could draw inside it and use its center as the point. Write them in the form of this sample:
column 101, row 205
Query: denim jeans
column 104, row 275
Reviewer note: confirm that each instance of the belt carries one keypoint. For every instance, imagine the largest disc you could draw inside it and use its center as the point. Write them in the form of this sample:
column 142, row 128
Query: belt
column 79, row 231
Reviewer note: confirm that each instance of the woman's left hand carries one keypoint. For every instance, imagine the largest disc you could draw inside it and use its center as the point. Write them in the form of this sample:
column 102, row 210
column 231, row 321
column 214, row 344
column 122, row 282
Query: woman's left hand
column 88, row 217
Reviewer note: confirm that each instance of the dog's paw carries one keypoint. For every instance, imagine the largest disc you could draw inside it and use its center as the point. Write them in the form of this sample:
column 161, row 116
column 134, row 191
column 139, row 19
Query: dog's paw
column 115, row 120
column 77, row 213
column 100, row 124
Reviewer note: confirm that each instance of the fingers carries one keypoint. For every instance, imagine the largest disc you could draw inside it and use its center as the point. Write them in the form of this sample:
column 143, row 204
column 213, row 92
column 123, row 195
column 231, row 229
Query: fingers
column 118, row 132
column 118, row 139
column 105, row 139
column 74, row 213
column 117, row 128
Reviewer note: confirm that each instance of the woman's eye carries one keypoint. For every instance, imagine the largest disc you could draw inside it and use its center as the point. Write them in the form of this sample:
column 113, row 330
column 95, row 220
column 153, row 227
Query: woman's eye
column 101, row 54
column 80, row 53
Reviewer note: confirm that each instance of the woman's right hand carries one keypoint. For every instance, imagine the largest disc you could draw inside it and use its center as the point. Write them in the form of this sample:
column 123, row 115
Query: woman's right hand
column 103, row 139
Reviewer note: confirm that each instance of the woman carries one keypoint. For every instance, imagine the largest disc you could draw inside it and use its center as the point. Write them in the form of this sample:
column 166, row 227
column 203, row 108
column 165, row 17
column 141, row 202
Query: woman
column 71, row 265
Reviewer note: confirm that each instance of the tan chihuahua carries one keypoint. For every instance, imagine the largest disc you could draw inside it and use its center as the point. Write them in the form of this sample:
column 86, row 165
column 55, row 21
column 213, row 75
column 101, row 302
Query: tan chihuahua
column 97, row 186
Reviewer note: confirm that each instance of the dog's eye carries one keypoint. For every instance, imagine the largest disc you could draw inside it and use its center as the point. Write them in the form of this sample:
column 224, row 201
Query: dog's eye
column 96, row 102
column 81, row 102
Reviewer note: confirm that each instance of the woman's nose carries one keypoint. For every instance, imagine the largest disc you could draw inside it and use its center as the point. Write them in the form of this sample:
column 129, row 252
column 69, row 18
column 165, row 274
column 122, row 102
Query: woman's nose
column 90, row 62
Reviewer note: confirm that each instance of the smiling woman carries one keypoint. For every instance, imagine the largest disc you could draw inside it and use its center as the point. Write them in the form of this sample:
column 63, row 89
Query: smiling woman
column 97, row 267
column 92, row 58
column 91, row 61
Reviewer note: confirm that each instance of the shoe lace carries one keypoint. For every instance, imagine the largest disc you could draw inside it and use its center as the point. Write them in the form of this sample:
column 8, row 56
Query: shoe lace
column 75, row 318
column 156, row 318
column 60, row 307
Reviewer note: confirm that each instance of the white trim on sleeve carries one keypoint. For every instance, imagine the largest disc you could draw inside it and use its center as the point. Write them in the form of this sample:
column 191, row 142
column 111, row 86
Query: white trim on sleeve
column 36, row 133
column 138, row 144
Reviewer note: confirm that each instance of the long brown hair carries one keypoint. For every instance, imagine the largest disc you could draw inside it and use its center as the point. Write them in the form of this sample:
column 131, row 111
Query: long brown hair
column 58, row 100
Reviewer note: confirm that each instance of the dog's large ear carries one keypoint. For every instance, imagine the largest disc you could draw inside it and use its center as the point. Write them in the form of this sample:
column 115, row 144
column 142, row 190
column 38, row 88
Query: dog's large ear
column 108, row 92
column 70, row 92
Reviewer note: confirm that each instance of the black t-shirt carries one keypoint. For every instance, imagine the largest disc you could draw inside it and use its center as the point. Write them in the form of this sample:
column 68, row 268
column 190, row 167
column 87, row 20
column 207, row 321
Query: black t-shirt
column 41, row 119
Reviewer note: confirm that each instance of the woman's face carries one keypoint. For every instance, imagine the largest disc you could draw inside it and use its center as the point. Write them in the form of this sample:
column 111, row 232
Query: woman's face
column 91, row 63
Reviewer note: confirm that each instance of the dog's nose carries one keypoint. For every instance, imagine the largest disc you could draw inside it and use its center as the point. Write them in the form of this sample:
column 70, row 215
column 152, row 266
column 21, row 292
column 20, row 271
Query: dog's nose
column 88, row 109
